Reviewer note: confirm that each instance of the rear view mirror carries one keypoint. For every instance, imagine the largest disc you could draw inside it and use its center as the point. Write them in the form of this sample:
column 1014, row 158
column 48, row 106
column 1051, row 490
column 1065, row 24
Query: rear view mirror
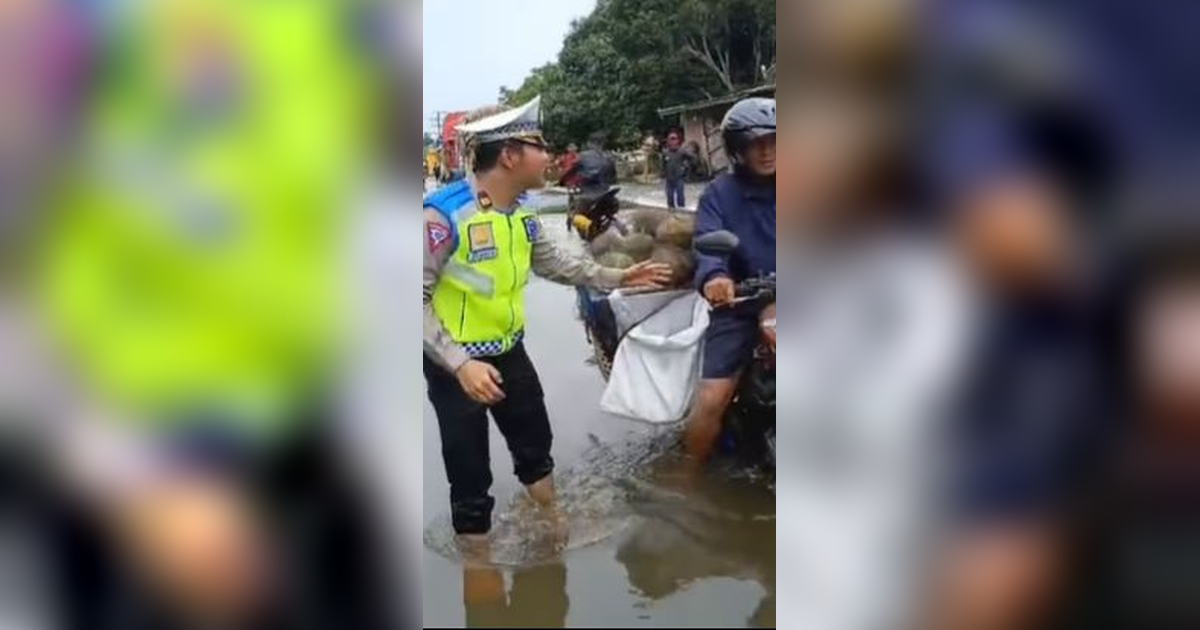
column 720, row 244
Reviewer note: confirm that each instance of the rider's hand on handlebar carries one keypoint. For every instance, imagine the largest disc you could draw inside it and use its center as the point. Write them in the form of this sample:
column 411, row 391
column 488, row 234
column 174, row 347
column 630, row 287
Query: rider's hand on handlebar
column 481, row 381
column 719, row 291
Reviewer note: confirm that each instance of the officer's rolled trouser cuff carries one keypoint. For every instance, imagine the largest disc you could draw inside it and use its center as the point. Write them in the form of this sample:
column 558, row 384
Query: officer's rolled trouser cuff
column 472, row 516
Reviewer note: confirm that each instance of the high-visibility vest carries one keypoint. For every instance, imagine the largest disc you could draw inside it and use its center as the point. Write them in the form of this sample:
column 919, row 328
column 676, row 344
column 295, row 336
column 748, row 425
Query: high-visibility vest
column 479, row 297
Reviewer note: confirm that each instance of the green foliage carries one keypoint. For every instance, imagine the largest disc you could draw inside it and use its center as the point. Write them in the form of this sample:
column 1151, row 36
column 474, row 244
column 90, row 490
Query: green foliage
column 629, row 58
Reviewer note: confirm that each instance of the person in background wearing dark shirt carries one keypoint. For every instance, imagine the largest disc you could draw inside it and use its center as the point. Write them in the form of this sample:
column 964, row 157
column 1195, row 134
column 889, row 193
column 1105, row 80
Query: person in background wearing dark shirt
column 676, row 165
column 742, row 202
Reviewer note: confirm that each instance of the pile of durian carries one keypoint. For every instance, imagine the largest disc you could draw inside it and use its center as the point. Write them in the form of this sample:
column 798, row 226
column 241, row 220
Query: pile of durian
column 658, row 235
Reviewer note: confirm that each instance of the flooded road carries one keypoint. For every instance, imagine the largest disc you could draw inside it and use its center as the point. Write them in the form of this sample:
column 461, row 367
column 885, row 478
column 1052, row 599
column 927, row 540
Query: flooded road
column 639, row 553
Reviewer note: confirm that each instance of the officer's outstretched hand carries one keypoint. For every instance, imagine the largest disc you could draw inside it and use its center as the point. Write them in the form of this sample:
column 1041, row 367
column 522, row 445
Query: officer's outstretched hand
column 481, row 381
column 647, row 275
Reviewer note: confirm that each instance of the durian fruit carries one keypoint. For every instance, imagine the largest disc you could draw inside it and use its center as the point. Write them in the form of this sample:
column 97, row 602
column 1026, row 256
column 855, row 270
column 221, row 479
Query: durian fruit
column 619, row 260
column 676, row 231
column 681, row 262
column 610, row 241
column 639, row 246
column 646, row 221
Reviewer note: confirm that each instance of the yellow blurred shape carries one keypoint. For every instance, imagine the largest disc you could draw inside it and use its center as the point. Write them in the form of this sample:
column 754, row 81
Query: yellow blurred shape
column 192, row 263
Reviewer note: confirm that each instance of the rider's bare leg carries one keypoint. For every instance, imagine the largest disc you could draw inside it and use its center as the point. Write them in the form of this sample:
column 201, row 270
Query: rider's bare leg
column 704, row 423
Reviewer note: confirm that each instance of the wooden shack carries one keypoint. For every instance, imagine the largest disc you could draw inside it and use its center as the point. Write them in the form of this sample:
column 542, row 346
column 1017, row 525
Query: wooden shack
column 701, row 122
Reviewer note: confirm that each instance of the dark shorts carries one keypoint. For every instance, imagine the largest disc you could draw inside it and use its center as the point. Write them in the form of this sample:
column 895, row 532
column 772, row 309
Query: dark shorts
column 729, row 343
column 463, row 424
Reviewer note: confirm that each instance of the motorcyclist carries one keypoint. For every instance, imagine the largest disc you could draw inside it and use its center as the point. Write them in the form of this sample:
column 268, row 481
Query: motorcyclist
column 595, row 171
column 591, row 176
column 742, row 202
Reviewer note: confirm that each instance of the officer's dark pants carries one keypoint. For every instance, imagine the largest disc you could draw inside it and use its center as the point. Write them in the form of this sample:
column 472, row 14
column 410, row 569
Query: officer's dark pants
column 322, row 533
column 463, row 423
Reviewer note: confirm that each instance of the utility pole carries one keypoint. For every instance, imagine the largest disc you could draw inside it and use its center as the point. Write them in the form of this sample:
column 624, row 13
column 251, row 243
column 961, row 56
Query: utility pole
column 437, row 119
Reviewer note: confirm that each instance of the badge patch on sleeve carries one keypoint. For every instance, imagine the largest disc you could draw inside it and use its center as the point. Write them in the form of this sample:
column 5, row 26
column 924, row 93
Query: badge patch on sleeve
column 437, row 235
column 482, row 242
column 532, row 229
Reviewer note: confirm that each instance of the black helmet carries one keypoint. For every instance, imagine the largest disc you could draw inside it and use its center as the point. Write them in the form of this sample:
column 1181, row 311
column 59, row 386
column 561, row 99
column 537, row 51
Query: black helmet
column 745, row 122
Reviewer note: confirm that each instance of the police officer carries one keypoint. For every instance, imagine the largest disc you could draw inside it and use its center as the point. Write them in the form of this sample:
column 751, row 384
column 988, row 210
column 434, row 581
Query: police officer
column 480, row 246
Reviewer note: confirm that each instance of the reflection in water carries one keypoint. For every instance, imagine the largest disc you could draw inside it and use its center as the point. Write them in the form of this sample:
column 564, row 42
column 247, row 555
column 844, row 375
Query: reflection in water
column 537, row 599
column 723, row 527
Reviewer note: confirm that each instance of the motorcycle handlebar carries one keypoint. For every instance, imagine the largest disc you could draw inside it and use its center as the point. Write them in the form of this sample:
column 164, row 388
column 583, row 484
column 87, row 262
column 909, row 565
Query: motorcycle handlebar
column 755, row 288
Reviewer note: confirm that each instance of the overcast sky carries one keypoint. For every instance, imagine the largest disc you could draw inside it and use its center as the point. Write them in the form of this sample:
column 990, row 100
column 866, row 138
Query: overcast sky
column 472, row 47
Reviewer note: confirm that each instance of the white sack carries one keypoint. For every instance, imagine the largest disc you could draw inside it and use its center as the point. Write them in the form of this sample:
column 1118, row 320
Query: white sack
column 656, row 366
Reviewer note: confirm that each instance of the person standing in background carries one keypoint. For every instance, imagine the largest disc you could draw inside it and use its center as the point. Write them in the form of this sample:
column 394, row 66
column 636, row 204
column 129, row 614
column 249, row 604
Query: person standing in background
column 677, row 163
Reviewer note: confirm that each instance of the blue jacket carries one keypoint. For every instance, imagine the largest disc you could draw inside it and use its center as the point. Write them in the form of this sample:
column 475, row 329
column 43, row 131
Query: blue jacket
column 746, row 209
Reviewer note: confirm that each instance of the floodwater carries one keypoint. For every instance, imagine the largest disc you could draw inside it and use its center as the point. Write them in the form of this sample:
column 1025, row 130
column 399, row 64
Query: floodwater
column 639, row 551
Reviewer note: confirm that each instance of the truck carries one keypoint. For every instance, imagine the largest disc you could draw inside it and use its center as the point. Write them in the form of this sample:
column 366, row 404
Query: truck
column 451, row 151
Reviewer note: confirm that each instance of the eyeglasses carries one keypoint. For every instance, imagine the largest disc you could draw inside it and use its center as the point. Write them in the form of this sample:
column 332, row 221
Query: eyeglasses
column 532, row 143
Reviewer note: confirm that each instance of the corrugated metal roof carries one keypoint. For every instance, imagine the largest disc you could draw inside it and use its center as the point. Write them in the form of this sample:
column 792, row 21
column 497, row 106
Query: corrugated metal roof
column 721, row 100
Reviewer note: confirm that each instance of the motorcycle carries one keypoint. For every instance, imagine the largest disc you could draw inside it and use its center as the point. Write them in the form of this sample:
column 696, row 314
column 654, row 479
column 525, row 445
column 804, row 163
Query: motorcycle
column 749, row 431
column 592, row 213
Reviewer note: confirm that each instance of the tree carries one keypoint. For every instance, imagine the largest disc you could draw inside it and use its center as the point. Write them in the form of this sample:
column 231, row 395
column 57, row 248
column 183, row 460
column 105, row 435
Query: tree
column 629, row 58
column 764, row 39
column 706, row 36
column 733, row 39
column 538, row 82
